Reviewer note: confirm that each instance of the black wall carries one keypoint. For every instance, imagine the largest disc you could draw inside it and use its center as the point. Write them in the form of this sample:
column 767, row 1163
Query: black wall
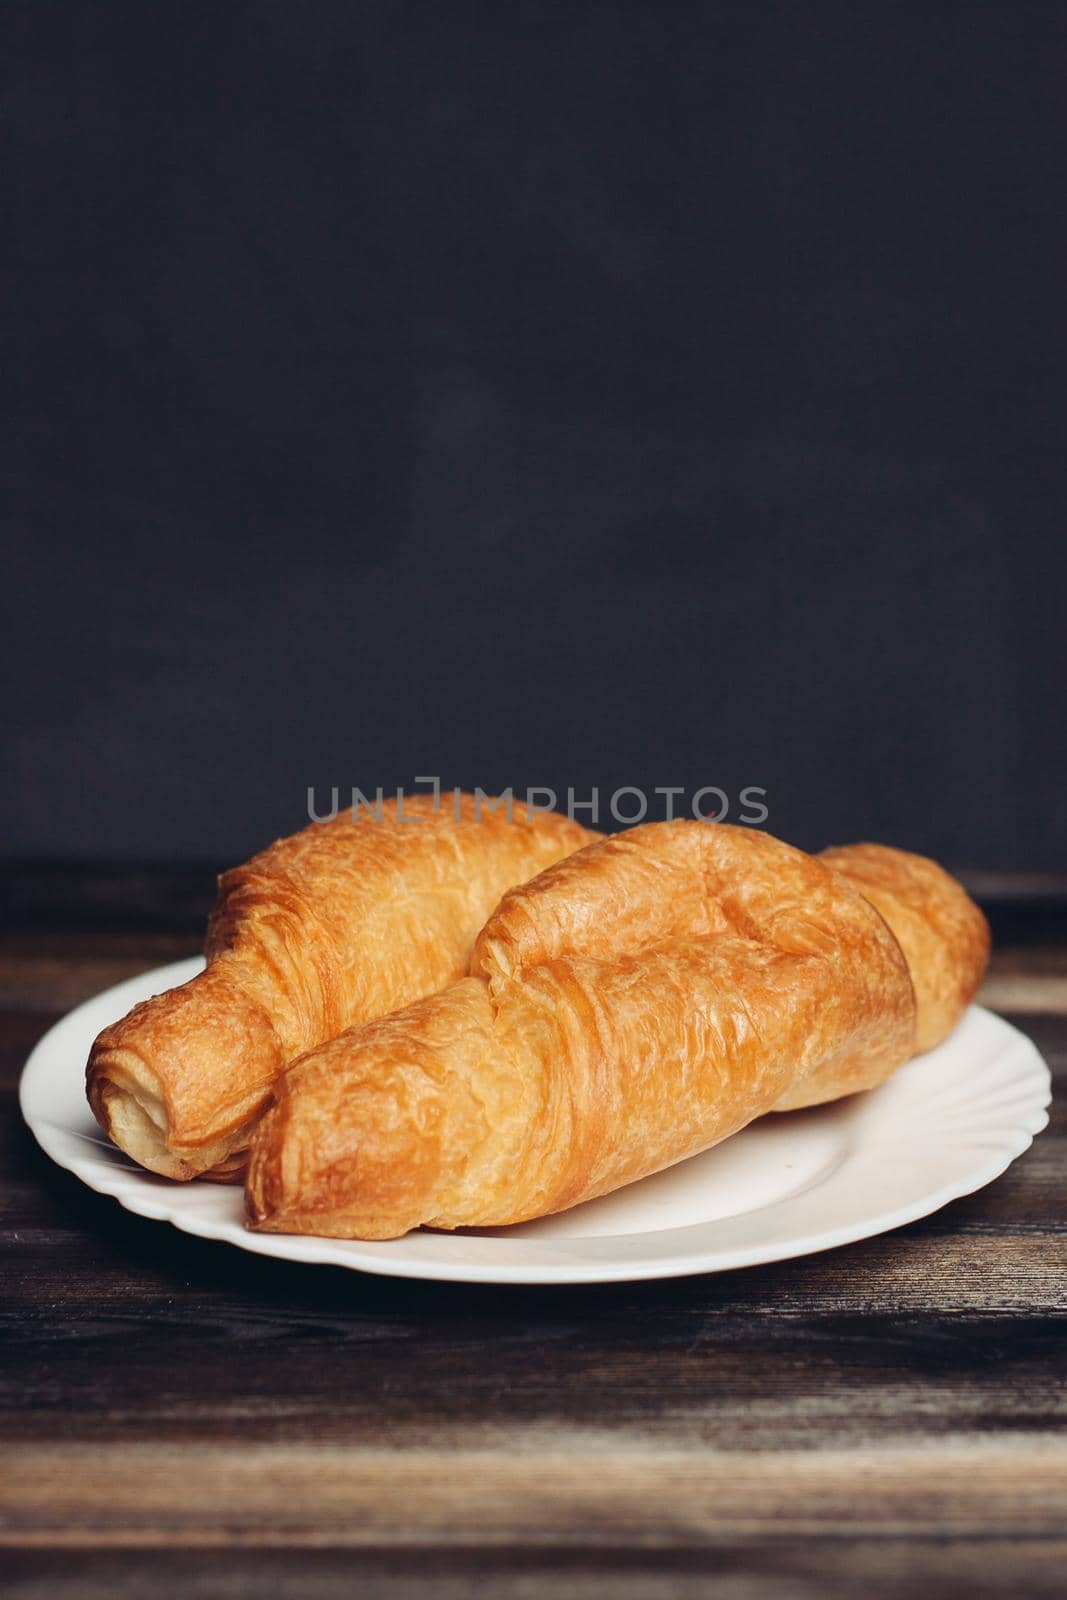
column 535, row 394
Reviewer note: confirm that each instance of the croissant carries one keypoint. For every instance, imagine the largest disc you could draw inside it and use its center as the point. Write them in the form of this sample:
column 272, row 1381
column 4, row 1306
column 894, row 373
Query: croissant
column 634, row 1004
column 337, row 924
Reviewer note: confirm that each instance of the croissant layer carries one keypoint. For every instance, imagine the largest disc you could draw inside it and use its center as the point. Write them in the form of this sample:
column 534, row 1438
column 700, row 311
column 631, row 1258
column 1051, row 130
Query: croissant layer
column 635, row 1003
column 333, row 926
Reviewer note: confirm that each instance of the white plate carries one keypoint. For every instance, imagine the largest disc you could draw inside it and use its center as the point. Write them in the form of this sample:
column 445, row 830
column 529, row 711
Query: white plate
column 946, row 1124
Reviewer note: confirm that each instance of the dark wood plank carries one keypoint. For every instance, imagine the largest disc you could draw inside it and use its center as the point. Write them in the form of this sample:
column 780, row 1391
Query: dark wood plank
column 812, row 1568
column 49, row 983
column 183, row 1416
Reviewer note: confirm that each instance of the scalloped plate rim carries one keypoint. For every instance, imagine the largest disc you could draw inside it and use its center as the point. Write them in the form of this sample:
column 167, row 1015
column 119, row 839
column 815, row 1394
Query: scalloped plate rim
column 790, row 1226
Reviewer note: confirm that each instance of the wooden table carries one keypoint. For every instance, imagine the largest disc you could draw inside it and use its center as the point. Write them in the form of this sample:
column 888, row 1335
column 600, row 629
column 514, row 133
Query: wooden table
column 180, row 1418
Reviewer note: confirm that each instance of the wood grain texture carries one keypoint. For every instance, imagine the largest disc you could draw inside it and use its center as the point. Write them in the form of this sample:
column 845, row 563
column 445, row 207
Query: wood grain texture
column 179, row 1417
column 577, row 1491
column 808, row 1568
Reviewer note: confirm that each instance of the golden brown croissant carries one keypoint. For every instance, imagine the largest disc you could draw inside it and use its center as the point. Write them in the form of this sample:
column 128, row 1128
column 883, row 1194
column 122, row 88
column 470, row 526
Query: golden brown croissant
column 634, row 1004
column 342, row 922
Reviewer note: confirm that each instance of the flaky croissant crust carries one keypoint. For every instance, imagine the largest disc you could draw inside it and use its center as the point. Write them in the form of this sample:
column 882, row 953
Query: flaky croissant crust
column 337, row 924
column 635, row 1003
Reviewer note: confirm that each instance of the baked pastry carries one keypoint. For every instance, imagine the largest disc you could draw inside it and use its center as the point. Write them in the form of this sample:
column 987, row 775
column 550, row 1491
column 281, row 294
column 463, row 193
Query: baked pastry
column 634, row 1004
column 339, row 923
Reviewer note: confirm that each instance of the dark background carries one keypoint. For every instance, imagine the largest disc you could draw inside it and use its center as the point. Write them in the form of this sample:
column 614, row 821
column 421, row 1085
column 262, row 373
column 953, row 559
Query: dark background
column 535, row 394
